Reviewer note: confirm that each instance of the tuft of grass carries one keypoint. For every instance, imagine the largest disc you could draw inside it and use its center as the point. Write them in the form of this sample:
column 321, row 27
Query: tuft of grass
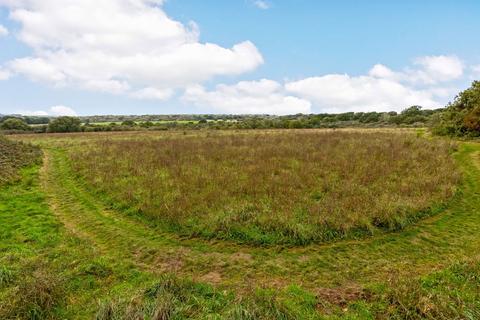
column 35, row 297
column 175, row 298
column 453, row 293
column 15, row 155
column 6, row 276
column 272, row 188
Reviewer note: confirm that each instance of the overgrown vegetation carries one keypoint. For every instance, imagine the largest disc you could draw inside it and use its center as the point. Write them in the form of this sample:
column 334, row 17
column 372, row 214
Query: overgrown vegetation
column 277, row 187
column 64, row 124
column 14, row 124
column 15, row 155
column 462, row 116
column 77, row 258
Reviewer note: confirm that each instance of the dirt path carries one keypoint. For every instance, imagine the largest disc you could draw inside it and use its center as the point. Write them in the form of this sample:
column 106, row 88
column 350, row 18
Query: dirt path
column 429, row 245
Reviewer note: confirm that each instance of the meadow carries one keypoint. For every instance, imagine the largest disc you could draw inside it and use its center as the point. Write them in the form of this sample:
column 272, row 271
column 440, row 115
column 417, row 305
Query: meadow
column 273, row 187
column 73, row 245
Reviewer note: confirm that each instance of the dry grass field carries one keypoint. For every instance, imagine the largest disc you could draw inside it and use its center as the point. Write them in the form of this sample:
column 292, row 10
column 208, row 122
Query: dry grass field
column 273, row 187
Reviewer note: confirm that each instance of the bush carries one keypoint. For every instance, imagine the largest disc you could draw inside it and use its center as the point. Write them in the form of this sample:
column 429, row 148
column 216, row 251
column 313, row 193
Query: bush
column 14, row 124
column 64, row 124
column 462, row 117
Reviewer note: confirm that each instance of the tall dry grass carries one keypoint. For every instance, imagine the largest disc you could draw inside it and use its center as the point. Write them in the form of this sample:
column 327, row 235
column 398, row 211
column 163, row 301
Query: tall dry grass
column 275, row 187
column 15, row 155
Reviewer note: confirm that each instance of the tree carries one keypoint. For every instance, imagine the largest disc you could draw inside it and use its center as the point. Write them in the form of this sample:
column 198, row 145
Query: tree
column 462, row 116
column 14, row 124
column 64, row 124
column 129, row 123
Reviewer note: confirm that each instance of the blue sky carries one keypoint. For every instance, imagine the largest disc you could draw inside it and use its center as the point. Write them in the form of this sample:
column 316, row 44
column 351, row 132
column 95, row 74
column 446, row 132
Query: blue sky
column 238, row 56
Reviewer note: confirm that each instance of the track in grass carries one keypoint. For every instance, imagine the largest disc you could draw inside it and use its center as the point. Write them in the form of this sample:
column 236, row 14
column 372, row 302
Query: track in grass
column 430, row 245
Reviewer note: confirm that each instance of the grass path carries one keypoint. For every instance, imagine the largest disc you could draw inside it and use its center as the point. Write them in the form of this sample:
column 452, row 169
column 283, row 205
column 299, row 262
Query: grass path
column 430, row 245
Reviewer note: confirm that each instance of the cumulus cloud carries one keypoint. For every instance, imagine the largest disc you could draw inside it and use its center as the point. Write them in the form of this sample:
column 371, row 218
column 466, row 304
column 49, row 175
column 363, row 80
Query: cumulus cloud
column 53, row 111
column 261, row 4
column 427, row 70
column 152, row 94
column 340, row 92
column 425, row 83
column 62, row 111
column 3, row 31
column 248, row 97
column 119, row 46
column 440, row 68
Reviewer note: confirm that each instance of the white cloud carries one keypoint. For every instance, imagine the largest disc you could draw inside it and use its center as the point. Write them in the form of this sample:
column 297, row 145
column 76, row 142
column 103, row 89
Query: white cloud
column 381, row 71
column 153, row 94
column 37, row 69
column 109, row 86
column 426, row 83
column 119, row 46
column 53, row 111
column 3, row 31
column 427, row 70
column 62, row 111
column 261, row 4
column 440, row 68
column 248, row 97
column 32, row 113
column 341, row 93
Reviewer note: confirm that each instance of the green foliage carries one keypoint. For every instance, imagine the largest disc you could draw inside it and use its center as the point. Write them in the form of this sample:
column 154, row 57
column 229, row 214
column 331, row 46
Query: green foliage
column 14, row 124
column 64, row 124
column 462, row 117
column 129, row 123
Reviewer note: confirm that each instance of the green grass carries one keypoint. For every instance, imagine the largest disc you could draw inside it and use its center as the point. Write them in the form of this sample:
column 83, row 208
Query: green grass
column 58, row 237
column 44, row 271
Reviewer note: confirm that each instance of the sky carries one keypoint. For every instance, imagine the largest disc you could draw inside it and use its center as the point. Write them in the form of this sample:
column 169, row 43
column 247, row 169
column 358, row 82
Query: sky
column 86, row 57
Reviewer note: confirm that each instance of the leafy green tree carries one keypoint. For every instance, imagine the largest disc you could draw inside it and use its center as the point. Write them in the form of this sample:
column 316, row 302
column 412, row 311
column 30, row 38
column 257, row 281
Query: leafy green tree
column 129, row 123
column 14, row 124
column 462, row 116
column 64, row 124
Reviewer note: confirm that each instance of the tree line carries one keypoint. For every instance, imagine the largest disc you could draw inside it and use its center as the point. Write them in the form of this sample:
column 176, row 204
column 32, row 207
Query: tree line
column 459, row 118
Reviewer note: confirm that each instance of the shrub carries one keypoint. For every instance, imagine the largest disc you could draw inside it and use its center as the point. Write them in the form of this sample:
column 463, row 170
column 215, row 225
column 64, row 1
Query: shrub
column 14, row 124
column 64, row 124
column 462, row 117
